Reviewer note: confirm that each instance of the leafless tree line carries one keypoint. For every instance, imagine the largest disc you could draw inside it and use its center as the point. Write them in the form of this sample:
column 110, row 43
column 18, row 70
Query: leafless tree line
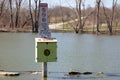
column 99, row 11
column 98, row 15
column 13, row 15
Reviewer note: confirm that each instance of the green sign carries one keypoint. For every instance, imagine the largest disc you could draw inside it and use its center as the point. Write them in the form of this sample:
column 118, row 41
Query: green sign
column 46, row 50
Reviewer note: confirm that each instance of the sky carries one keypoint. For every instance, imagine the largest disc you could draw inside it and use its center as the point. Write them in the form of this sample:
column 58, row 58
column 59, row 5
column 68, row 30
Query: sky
column 71, row 3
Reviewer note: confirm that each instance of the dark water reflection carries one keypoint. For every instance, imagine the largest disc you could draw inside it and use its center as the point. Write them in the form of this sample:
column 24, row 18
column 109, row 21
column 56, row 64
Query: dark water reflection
column 75, row 52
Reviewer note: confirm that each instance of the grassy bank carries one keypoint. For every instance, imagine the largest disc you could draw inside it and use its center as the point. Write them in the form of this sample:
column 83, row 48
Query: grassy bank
column 66, row 28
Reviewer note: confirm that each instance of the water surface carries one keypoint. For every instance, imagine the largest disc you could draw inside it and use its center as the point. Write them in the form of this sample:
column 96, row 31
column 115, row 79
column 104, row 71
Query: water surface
column 75, row 52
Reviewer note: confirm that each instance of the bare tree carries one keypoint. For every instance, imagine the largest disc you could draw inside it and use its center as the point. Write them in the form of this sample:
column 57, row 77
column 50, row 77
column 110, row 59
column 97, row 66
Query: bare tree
column 82, row 16
column 18, row 5
column 31, row 15
column 62, row 17
column 79, row 14
column 25, row 18
column 98, row 14
column 35, row 16
column 117, row 17
column 11, row 15
column 110, row 19
column 1, row 6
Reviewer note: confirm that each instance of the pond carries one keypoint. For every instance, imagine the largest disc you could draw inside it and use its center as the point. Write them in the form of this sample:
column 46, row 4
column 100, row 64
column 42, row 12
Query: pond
column 75, row 52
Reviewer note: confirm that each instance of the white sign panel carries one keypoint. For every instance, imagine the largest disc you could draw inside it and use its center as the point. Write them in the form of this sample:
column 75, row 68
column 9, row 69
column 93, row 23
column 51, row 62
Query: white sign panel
column 44, row 29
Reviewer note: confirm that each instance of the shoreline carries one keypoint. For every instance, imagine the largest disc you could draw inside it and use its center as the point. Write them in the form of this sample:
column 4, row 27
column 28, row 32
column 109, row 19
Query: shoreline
column 115, row 32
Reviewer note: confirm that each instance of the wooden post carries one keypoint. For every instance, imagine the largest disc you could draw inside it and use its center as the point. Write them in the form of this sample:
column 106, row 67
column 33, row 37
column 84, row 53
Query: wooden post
column 44, row 71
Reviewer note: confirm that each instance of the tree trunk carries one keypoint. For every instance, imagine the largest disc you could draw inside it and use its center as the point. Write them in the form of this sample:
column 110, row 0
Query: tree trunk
column 111, row 18
column 38, row 17
column 78, row 10
column 33, row 30
column 36, row 20
column 18, row 5
column 11, row 15
column 36, row 27
column 98, row 15
column 16, row 18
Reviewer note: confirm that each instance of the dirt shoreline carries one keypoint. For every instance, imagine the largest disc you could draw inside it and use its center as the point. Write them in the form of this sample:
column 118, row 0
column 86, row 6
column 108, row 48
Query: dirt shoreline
column 116, row 32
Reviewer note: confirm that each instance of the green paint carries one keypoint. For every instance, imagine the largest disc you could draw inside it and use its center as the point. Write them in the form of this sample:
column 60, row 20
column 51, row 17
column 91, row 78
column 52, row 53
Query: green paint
column 46, row 51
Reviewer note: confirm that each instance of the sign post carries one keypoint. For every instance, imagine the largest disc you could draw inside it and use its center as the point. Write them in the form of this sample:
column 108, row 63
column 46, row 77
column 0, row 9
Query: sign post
column 45, row 45
column 44, row 71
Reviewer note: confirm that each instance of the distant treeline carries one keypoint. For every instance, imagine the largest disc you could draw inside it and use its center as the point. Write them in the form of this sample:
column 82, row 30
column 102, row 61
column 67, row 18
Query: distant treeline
column 14, row 15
